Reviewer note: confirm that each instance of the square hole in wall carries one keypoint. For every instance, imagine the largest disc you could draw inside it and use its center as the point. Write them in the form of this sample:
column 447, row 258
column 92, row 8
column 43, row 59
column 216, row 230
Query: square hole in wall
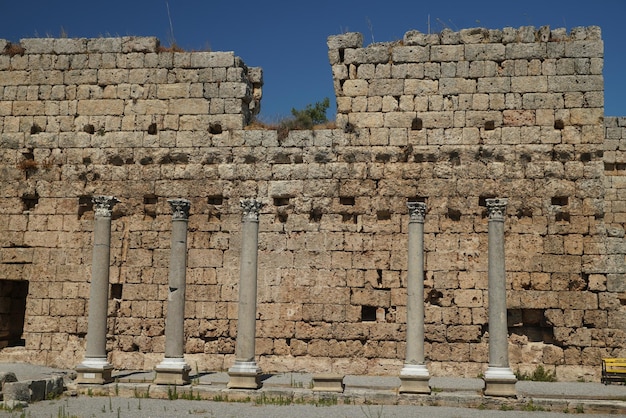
column 282, row 216
column 281, row 201
column 85, row 204
column 29, row 201
column 454, row 214
column 316, row 215
column 215, row 200
column 559, row 200
column 368, row 313
column 149, row 205
column 349, row 218
column 116, row 291
column 347, row 200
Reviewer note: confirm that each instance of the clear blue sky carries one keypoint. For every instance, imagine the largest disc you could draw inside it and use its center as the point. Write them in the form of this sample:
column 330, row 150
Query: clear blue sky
column 288, row 38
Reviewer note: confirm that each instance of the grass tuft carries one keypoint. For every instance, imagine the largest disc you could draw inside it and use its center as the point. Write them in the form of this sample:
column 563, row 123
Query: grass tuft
column 12, row 49
column 539, row 375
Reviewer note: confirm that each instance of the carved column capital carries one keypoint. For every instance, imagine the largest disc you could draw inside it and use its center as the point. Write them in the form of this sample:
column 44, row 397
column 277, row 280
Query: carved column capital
column 104, row 205
column 417, row 211
column 251, row 208
column 180, row 209
column 496, row 208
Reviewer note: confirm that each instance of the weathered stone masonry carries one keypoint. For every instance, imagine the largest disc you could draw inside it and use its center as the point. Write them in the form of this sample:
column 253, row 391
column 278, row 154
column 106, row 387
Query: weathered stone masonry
column 450, row 119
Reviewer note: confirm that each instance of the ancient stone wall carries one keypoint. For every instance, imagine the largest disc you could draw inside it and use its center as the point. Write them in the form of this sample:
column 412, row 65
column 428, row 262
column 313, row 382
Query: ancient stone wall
column 614, row 198
column 450, row 119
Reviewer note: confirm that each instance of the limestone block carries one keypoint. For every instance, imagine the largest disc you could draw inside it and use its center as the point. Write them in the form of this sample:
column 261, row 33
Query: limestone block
column 485, row 52
column 586, row 116
column 446, row 52
column 16, row 391
column 22, row 108
column 346, row 40
column 614, row 282
column 38, row 45
column 403, row 54
column 189, row 107
column 457, row 86
column 385, row 87
column 371, row 54
column 355, row 88
column 366, row 297
column 471, row 298
column 100, row 107
column 586, row 49
column 566, row 83
column 415, row 37
column 525, row 51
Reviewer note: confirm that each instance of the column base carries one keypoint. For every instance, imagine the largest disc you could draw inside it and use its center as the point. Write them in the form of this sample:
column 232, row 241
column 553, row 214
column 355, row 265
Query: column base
column 94, row 371
column 172, row 371
column 328, row 383
column 244, row 375
column 500, row 381
column 414, row 378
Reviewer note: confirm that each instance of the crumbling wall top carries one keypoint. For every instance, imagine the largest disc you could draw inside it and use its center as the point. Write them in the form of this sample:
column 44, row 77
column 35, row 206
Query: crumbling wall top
column 524, row 34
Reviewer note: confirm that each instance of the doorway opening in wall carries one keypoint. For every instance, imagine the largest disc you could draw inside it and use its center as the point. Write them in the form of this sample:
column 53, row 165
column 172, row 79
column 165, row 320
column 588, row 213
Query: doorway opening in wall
column 13, row 295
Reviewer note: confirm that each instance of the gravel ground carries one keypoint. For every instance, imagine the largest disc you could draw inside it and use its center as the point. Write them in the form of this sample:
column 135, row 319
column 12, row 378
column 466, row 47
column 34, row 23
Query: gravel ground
column 86, row 407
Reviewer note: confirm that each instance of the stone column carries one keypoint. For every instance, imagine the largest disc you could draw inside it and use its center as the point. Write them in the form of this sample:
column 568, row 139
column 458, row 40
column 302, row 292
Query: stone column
column 95, row 368
column 173, row 370
column 499, row 378
column 414, row 376
column 245, row 374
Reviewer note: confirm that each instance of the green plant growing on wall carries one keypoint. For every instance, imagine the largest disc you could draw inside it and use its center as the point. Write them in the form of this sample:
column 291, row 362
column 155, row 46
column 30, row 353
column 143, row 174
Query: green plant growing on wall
column 312, row 114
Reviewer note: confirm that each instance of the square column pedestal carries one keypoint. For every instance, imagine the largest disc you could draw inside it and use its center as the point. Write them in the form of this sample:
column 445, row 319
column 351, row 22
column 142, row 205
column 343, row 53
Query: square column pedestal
column 328, row 383
column 500, row 381
column 172, row 372
column 94, row 372
column 244, row 375
column 415, row 378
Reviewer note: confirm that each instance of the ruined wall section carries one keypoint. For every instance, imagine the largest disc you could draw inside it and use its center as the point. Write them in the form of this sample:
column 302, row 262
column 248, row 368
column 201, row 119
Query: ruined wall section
column 615, row 203
column 514, row 113
column 81, row 117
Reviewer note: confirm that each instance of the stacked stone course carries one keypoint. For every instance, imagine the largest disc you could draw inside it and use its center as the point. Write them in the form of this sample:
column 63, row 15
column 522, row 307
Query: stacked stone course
column 450, row 119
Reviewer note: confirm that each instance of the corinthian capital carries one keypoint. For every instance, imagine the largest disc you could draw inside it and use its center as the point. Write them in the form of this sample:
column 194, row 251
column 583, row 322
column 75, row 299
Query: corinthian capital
column 417, row 211
column 251, row 208
column 104, row 205
column 496, row 208
column 180, row 209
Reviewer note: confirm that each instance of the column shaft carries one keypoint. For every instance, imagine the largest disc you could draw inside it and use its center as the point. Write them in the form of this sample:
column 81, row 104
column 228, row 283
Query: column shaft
column 414, row 375
column 415, row 290
column 246, row 320
column 498, row 330
column 95, row 368
column 174, row 326
column 173, row 369
column 499, row 378
column 99, row 289
column 245, row 373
